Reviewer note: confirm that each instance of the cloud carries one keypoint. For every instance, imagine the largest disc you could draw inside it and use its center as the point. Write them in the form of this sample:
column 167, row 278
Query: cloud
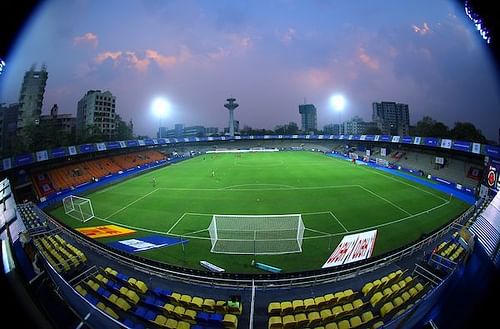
column 288, row 36
column 87, row 38
column 162, row 60
column 140, row 65
column 421, row 30
column 114, row 56
column 219, row 54
column 371, row 62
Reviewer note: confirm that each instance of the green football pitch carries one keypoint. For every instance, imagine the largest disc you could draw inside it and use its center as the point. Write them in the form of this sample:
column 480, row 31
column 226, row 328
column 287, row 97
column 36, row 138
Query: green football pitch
column 334, row 197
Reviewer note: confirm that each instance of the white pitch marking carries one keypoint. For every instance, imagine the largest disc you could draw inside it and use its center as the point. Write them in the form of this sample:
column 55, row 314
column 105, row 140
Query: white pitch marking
column 381, row 197
column 139, row 199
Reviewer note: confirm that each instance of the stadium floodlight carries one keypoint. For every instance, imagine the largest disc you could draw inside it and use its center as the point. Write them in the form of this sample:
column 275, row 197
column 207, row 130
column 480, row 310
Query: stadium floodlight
column 161, row 107
column 338, row 102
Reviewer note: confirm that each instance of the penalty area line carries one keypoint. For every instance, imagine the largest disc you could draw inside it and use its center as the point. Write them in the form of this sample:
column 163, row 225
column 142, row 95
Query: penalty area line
column 131, row 203
column 149, row 230
column 338, row 221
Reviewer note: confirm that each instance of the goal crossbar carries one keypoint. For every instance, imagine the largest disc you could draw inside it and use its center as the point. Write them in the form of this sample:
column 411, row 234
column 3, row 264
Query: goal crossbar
column 256, row 234
column 78, row 208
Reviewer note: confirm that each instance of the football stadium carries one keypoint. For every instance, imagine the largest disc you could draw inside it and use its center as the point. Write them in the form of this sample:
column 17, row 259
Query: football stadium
column 110, row 219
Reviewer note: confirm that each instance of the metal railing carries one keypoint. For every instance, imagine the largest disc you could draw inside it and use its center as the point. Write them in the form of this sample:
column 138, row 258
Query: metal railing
column 246, row 281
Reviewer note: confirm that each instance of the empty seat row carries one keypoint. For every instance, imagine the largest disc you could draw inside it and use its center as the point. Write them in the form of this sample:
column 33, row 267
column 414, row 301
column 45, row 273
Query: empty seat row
column 311, row 304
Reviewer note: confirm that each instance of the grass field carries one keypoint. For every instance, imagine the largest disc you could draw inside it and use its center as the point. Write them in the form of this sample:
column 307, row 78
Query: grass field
column 334, row 197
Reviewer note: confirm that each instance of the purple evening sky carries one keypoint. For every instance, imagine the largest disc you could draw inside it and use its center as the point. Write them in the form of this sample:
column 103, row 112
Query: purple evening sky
column 267, row 54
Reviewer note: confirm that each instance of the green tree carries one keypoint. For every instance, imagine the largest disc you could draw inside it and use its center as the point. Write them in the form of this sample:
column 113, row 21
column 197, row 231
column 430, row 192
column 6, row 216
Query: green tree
column 467, row 131
column 428, row 127
column 124, row 131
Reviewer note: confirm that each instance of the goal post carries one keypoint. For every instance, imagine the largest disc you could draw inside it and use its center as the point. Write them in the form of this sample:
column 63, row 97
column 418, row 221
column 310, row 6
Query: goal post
column 78, row 208
column 256, row 234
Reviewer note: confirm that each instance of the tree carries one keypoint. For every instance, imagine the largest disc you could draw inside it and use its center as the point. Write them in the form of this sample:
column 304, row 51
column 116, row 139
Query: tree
column 467, row 131
column 428, row 127
column 287, row 129
column 124, row 131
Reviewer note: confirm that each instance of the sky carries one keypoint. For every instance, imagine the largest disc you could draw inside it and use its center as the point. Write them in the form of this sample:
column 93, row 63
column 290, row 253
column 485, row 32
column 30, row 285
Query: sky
column 270, row 55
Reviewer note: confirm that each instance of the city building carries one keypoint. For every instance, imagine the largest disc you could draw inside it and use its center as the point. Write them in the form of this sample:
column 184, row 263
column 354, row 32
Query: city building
column 8, row 126
column 392, row 118
column 211, row 131
column 96, row 110
column 357, row 126
column 309, row 120
column 61, row 123
column 194, row 131
column 332, row 129
column 31, row 98
column 162, row 132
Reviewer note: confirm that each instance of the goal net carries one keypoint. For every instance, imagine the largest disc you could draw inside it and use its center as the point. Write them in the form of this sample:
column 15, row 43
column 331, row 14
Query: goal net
column 256, row 234
column 78, row 208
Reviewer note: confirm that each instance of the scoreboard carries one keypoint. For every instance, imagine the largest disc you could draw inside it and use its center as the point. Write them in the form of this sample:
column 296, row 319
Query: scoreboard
column 491, row 177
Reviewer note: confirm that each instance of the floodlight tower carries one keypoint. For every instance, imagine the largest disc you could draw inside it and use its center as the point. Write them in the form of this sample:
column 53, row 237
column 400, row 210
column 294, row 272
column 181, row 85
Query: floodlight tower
column 231, row 106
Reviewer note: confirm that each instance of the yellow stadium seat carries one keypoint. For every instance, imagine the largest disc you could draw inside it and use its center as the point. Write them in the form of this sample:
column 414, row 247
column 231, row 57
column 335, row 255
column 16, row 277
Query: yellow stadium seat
column 367, row 316
column 274, row 308
column 298, row 305
column 331, row 325
column 386, row 309
column 398, row 301
column 274, row 323
column 320, row 302
column 183, row 325
column 377, row 325
column 406, row 296
column 326, row 315
column 179, row 312
column 169, row 309
column 367, row 288
column 377, row 297
column 358, row 303
column 355, row 321
column 301, row 320
column 344, row 324
column 309, row 304
column 171, row 323
column 111, row 313
column 314, row 319
column 230, row 321
column 160, row 320
column 185, row 300
column 330, row 299
column 197, row 303
column 286, row 308
column 289, row 322
column 209, row 305
column 190, row 316
column 337, row 311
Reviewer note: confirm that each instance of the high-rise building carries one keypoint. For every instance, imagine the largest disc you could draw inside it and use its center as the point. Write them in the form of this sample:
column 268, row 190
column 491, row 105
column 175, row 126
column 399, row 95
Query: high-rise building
column 309, row 120
column 8, row 126
column 59, row 122
column 392, row 118
column 96, row 110
column 31, row 98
